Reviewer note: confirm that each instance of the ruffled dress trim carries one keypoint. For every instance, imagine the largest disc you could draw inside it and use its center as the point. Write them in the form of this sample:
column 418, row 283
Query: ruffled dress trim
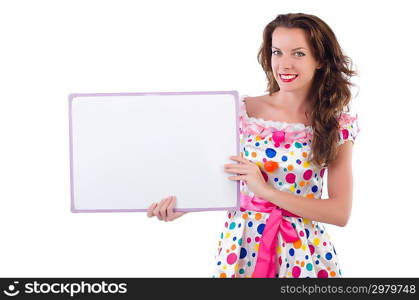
column 292, row 132
column 348, row 128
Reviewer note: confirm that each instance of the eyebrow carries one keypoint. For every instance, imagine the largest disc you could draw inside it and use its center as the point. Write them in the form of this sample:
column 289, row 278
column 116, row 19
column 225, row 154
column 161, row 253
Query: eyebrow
column 292, row 49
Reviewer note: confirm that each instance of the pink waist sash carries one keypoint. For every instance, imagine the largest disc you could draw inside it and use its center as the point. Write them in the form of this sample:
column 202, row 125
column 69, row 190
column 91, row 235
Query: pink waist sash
column 266, row 260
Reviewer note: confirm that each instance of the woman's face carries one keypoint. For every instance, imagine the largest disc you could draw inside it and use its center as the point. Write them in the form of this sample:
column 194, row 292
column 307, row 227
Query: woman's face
column 286, row 59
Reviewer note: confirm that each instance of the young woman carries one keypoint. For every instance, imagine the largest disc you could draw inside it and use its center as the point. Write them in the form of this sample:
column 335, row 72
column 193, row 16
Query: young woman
column 289, row 138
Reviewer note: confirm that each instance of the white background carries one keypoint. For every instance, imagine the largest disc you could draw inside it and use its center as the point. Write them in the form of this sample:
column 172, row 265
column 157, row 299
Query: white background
column 53, row 48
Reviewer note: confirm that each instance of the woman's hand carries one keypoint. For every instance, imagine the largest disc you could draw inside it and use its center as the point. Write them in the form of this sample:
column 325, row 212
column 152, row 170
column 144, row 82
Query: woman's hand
column 164, row 209
column 250, row 173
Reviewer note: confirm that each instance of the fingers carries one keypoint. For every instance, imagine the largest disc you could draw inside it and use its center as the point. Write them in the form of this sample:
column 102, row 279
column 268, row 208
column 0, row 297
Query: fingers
column 170, row 213
column 164, row 210
column 150, row 209
column 237, row 178
column 158, row 210
column 238, row 169
column 154, row 209
column 240, row 159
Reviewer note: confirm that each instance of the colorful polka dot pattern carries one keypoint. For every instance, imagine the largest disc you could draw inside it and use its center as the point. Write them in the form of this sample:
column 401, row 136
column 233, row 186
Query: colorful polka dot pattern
column 285, row 166
column 313, row 255
column 348, row 128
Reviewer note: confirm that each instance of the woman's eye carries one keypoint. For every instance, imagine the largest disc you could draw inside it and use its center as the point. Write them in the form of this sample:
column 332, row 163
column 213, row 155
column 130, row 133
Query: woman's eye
column 302, row 53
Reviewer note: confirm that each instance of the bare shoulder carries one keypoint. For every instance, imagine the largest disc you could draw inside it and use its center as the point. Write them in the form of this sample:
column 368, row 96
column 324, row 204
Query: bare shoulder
column 255, row 105
column 255, row 98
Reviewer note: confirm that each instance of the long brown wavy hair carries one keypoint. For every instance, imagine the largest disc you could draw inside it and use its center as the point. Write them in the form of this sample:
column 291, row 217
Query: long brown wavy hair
column 330, row 89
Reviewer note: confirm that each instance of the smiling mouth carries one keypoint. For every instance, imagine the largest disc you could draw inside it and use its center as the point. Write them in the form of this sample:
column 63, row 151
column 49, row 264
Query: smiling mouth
column 288, row 77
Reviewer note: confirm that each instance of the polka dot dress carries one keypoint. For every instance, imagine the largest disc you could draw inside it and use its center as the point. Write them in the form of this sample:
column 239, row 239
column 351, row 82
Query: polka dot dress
column 285, row 166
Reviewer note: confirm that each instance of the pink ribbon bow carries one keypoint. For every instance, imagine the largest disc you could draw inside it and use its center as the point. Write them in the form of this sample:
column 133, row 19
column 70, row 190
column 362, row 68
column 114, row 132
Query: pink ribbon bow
column 266, row 260
column 278, row 136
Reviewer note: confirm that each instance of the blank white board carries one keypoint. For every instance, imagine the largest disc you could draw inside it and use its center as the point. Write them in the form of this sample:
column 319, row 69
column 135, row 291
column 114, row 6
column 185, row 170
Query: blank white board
column 128, row 150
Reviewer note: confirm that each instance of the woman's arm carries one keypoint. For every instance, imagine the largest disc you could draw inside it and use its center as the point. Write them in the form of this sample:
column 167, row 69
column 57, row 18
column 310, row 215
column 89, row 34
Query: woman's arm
column 334, row 210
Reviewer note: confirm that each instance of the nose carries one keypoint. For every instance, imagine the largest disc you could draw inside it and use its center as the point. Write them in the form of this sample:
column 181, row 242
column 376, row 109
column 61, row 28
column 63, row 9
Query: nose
column 284, row 61
column 285, row 64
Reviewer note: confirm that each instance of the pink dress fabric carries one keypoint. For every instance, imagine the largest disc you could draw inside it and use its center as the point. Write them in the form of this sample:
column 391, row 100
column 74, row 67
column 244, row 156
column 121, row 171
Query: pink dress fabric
column 261, row 240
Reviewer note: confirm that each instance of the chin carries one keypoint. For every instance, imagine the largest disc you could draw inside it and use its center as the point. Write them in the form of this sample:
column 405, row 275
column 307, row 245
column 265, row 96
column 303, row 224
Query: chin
column 288, row 88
